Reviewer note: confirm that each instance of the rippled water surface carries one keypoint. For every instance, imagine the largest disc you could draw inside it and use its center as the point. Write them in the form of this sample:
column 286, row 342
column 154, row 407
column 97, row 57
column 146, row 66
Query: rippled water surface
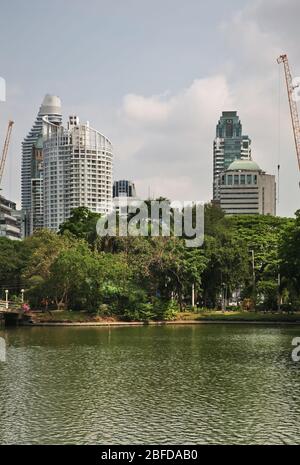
column 177, row 384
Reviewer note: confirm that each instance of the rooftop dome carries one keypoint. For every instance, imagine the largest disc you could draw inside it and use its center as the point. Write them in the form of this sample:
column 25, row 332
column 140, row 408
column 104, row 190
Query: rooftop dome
column 243, row 165
column 51, row 105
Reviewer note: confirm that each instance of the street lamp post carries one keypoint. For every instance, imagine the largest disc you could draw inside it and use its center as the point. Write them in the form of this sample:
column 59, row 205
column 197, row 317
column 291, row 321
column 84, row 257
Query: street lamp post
column 22, row 296
column 253, row 271
column 6, row 299
column 279, row 296
column 193, row 295
column 253, row 268
column 223, row 297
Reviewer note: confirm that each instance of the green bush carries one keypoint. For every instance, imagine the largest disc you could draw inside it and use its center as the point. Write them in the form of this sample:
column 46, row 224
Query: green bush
column 165, row 309
column 104, row 310
column 141, row 312
column 145, row 311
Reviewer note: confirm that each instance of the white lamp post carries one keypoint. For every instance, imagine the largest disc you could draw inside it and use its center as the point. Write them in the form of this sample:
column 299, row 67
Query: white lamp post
column 6, row 299
column 22, row 296
column 193, row 295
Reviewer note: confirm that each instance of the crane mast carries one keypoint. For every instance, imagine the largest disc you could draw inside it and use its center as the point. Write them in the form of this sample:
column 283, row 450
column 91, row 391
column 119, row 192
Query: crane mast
column 293, row 106
column 5, row 149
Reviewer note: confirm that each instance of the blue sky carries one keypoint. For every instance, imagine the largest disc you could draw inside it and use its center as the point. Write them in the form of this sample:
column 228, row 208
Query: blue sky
column 154, row 77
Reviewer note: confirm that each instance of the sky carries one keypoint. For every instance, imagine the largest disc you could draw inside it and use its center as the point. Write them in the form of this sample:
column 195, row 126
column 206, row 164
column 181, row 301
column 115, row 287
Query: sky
column 154, row 77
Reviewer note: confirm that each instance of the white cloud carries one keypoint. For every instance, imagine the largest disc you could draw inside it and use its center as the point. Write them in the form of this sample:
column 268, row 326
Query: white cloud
column 173, row 138
column 148, row 111
column 181, row 111
column 174, row 133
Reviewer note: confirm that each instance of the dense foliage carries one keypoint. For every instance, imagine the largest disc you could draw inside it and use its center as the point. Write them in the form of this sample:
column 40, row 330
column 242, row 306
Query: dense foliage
column 252, row 259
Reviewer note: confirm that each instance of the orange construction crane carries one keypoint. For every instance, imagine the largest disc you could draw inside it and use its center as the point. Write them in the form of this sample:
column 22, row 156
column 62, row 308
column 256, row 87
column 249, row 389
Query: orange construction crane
column 292, row 102
column 5, row 149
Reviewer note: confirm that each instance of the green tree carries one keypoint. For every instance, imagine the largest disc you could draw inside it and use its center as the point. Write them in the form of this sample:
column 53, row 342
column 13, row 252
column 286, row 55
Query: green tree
column 74, row 278
column 81, row 224
column 227, row 269
column 12, row 263
column 261, row 234
column 42, row 249
column 289, row 253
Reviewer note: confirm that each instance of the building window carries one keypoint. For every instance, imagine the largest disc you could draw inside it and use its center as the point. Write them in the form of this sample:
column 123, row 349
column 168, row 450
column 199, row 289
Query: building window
column 229, row 179
column 229, row 128
column 249, row 178
column 236, row 179
column 243, row 179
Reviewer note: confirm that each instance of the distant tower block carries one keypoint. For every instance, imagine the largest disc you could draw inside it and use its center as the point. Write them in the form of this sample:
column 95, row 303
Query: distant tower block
column 229, row 145
column 124, row 188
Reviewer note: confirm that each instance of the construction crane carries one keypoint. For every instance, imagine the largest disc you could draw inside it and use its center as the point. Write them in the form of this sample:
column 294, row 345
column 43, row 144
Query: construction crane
column 5, row 149
column 292, row 102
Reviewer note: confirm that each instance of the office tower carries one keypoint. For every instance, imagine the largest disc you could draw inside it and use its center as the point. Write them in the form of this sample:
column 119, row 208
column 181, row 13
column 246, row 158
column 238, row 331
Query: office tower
column 77, row 170
column 230, row 144
column 124, row 188
column 50, row 108
column 245, row 189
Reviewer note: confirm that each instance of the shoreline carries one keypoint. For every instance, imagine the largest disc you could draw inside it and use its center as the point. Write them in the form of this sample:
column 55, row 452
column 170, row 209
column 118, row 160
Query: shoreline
column 158, row 323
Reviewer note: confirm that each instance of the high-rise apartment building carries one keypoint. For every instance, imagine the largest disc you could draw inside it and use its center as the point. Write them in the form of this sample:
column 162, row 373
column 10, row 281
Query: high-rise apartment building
column 77, row 171
column 230, row 144
column 63, row 168
column 50, row 108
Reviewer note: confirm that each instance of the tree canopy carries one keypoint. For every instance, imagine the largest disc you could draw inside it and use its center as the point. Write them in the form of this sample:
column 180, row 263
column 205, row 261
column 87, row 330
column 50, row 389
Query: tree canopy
column 252, row 257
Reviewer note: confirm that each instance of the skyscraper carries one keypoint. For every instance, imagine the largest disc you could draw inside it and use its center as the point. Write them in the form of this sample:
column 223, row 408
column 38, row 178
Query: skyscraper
column 51, row 107
column 230, row 144
column 77, row 170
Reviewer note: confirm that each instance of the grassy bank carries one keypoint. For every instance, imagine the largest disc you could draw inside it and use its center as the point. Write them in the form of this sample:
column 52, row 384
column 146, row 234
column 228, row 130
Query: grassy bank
column 239, row 316
column 85, row 317
column 65, row 316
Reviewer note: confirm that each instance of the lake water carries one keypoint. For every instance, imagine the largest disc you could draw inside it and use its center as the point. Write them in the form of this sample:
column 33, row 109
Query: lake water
column 201, row 384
